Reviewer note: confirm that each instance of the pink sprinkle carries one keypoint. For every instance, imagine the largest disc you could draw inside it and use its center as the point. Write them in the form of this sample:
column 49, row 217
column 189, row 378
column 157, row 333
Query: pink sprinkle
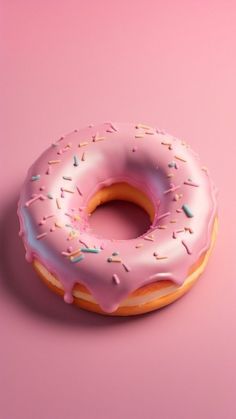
column 35, row 198
column 40, row 236
column 116, row 279
column 163, row 216
column 186, row 247
column 174, row 188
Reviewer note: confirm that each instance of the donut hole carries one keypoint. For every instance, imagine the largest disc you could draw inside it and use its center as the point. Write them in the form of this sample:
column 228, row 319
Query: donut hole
column 120, row 212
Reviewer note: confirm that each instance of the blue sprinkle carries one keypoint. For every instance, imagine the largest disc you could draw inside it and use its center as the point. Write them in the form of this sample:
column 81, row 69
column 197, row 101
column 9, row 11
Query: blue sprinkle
column 36, row 177
column 49, row 195
column 187, row 210
column 77, row 259
column 92, row 250
column 115, row 254
column 76, row 161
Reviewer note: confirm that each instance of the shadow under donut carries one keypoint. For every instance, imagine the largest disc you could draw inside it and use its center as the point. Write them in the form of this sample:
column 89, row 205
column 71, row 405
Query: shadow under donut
column 22, row 283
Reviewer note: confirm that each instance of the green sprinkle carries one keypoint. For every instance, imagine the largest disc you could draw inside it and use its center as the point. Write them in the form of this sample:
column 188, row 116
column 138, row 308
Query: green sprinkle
column 92, row 250
column 77, row 259
column 35, row 177
column 187, row 210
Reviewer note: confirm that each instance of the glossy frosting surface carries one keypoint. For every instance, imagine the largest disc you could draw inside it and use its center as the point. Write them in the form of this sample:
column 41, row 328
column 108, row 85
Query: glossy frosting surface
column 55, row 225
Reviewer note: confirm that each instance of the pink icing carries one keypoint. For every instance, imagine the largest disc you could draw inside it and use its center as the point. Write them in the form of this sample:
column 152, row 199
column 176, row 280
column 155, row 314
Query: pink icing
column 54, row 223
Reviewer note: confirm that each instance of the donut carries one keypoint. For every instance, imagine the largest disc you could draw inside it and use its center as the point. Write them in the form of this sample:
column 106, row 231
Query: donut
column 118, row 161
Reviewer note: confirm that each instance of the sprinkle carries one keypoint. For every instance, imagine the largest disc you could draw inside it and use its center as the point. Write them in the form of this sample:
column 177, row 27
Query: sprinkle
column 77, row 259
column 173, row 189
column 113, row 127
column 49, row 195
column 144, row 126
column 115, row 254
column 180, row 158
column 135, row 148
column 173, row 221
column 190, row 230
column 90, row 250
column 116, row 279
column 35, row 198
column 161, row 257
column 150, row 238
column 176, row 197
column 55, row 145
column 78, row 189
column 97, row 138
column 139, row 136
column 173, row 164
column 110, row 131
column 165, row 143
column 187, row 210
column 49, row 170
column 170, row 175
column 58, row 225
column 60, row 152
column 52, row 229
column 186, row 247
column 67, row 177
column 149, row 132
column 110, row 259
column 83, row 144
column 163, row 216
column 191, row 184
column 54, row 161
column 76, row 161
column 205, row 169
column 127, row 268
column 58, row 203
column 35, row 177
column 67, row 190
column 161, row 227
column 40, row 236
column 139, row 245
column 83, row 157
column 179, row 210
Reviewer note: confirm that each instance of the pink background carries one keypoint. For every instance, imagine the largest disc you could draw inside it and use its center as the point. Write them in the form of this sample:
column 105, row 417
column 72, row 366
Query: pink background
column 66, row 64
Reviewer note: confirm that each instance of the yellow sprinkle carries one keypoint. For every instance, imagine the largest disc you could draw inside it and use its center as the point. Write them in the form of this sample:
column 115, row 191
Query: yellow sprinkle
column 76, row 252
column 150, row 132
column 54, row 161
column 138, row 245
column 139, row 136
column 161, row 257
column 170, row 175
column 144, row 126
column 83, row 144
column 58, row 203
column 59, row 225
column 83, row 157
column 162, row 227
column 180, row 158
